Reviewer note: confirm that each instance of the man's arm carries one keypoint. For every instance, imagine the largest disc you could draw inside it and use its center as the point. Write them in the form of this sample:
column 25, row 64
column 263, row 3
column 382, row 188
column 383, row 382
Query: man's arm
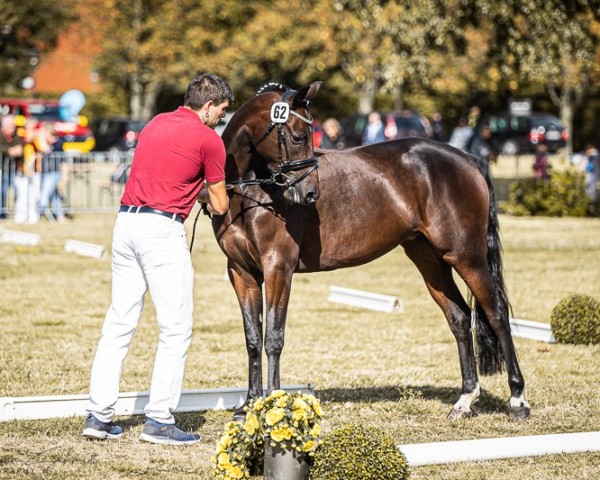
column 215, row 196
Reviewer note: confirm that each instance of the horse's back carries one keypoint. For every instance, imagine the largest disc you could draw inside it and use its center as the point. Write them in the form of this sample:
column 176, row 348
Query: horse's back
column 376, row 197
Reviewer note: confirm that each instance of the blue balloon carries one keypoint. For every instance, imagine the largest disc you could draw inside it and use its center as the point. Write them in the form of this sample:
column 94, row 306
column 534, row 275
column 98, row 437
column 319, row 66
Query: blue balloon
column 70, row 104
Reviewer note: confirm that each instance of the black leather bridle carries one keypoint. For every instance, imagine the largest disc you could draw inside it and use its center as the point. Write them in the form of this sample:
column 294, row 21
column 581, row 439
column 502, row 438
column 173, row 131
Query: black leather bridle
column 279, row 177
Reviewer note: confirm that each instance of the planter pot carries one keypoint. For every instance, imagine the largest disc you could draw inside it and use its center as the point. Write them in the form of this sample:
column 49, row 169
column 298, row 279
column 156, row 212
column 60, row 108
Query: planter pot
column 285, row 464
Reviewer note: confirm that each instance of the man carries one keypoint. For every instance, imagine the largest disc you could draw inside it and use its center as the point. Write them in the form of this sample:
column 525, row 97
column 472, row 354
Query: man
column 11, row 152
column 176, row 153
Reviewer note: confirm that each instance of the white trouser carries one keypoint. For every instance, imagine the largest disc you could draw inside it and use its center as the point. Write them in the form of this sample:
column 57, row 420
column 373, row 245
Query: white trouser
column 149, row 251
column 27, row 195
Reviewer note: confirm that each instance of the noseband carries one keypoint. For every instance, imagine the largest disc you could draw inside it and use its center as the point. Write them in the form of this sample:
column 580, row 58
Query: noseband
column 280, row 112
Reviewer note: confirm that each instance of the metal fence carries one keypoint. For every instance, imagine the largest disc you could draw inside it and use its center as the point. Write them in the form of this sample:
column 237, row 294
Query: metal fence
column 92, row 182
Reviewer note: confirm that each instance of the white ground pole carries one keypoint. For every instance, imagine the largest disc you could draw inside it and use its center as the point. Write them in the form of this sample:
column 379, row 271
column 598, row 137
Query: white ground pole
column 84, row 248
column 19, row 238
column 386, row 303
column 362, row 299
column 131, row 403
column 497, row 448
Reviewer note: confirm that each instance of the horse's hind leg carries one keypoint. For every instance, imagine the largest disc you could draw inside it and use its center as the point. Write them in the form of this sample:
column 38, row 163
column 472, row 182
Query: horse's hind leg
column 488, row 296
column 438, row 278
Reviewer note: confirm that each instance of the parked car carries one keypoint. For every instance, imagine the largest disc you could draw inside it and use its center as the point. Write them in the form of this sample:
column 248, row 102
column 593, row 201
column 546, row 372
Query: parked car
column 515, row 134
column 408, row 123
column 77, row 135
column 116, row 134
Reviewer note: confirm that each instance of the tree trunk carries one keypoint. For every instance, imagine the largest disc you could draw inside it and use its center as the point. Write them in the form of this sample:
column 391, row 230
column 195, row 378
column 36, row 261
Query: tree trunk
column 366, row 99
column 566, row 116
column 398, row 98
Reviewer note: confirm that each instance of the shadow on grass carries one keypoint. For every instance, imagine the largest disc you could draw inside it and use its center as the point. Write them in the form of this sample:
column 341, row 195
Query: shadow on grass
column 188, row 421
column 487, row 403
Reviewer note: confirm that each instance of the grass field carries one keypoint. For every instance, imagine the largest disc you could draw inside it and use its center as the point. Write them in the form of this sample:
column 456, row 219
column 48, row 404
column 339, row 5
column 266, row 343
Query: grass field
column 398, row 372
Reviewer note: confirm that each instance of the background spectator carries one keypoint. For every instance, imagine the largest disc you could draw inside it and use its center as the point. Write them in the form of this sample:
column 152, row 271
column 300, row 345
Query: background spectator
column 374, row 131
column 11, row 151
column 592, row 164
column 437, row 126
column 480, row 145
column 333, row 135
column 461, row 134
column 54, row 174
column 541, row 163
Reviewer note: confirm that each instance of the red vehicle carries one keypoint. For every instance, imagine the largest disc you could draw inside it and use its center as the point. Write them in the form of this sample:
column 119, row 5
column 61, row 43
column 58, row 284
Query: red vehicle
column 77, row 134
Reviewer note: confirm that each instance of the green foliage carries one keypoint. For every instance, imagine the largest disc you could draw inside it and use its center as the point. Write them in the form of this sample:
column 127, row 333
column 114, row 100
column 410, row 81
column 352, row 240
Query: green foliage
column 576, row 319
column 28, row 29
column 358, row 452
column 562, row 195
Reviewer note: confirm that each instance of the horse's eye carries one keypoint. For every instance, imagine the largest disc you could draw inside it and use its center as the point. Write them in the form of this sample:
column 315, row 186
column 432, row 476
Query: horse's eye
column 298, row 138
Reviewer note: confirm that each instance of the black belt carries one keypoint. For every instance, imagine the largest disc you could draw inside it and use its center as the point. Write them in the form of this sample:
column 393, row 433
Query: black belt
column 133, row 209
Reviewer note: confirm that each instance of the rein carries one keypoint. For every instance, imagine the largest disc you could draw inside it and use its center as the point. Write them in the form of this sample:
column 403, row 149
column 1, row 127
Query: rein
column 279, row 178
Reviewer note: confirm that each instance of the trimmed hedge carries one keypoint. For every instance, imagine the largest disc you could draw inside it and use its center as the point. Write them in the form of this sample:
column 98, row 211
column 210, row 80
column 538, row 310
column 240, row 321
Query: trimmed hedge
column 356, row 452
column 563, row 195
column 576, row 319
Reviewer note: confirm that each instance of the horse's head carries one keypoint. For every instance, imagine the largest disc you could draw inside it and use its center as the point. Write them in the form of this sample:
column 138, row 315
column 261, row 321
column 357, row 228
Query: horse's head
column 270, row 141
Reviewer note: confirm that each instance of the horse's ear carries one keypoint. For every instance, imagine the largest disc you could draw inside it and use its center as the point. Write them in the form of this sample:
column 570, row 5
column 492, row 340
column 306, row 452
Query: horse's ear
column 306, row 93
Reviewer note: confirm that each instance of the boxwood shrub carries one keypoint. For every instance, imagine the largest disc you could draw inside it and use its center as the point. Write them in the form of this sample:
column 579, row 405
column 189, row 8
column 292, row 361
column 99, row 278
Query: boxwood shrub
column 357, row 452
column 576, row 319
column 562, row 195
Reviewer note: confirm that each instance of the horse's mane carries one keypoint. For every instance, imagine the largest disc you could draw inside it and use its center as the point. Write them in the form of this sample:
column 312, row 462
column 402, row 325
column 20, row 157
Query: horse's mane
column 272, row 86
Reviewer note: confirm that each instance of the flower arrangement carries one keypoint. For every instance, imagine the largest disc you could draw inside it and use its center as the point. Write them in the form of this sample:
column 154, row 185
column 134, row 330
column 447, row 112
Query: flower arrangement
column 289, row 420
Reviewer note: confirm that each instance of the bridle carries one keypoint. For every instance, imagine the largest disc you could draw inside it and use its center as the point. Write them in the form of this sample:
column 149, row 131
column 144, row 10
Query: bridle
column 280, row 112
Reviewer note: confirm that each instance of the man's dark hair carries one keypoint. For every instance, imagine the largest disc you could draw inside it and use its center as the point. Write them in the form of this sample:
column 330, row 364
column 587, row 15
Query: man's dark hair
column 205, row 88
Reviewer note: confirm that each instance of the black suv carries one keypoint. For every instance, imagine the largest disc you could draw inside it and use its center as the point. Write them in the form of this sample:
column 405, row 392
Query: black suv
column 117, row 134
column 515, row 134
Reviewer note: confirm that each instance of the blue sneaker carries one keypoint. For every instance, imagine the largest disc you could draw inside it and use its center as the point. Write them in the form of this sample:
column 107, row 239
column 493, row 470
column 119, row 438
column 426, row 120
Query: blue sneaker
column 98, row 430
column 166, row 433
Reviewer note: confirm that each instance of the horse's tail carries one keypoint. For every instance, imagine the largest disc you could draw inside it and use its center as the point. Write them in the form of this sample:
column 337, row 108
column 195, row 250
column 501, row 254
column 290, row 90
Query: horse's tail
column 489, row 352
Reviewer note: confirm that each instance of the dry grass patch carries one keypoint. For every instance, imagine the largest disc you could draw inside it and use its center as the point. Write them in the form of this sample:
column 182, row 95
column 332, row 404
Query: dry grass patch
column 398, row 372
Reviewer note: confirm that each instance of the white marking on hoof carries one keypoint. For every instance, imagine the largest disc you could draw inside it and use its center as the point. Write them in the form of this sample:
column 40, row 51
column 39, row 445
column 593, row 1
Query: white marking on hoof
column 517, row 402
column 462, row 408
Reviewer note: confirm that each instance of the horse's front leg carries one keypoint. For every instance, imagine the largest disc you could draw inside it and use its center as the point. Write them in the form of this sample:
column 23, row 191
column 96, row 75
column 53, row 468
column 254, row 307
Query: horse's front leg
column 277, row 294
column 248, row 288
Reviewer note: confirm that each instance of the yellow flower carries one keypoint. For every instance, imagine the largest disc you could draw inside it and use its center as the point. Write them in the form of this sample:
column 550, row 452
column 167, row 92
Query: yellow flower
column 223, row 460
column 299, row 415
column 251, row 424
column 300, row 404
column 281, row 402
column 276, row 394
column 274, row 415
column 308, row 446
column 259, row 404
column 235, row 472
column 317, row 408
column 315, row 431
column 281, row 434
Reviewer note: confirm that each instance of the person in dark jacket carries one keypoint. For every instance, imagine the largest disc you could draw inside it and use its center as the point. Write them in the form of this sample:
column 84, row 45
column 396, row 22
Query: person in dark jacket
column 480, row 144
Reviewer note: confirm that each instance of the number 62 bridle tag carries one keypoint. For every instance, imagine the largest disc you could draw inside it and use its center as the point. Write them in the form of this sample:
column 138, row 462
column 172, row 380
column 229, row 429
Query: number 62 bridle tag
column 280, row 112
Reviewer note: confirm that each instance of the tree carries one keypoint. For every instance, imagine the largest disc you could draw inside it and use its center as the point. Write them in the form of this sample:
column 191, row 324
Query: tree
column 386, row 45
column 552, row 42
column 26, row 32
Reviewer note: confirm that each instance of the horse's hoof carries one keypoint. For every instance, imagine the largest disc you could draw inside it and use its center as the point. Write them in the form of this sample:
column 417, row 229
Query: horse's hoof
column 460, row 414
column 519, row 413
column 239, row 415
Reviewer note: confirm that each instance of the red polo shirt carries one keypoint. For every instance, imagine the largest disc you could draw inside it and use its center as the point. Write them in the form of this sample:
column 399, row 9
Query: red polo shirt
column 175, row 153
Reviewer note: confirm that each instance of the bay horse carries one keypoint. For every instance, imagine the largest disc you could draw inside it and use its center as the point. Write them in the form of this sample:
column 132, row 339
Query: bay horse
column 294, row 210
